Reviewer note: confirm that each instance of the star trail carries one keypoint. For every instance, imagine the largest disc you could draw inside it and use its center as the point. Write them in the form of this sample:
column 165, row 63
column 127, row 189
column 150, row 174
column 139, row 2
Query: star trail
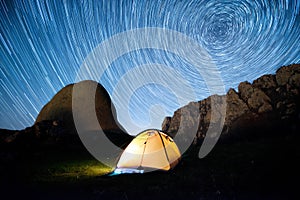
column 44, row 43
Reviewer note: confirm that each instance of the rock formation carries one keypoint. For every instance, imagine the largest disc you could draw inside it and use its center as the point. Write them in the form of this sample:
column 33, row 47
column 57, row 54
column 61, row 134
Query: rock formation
column 55, row 121
column 60, row 107
column 270, row 103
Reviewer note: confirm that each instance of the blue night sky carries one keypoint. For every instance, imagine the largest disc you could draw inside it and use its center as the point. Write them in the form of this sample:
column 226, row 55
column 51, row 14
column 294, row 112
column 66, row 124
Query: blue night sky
column 44, row 43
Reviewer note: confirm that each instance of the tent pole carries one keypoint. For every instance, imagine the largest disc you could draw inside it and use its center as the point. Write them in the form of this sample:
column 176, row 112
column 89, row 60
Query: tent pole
column 164, row 146
column 143, row 151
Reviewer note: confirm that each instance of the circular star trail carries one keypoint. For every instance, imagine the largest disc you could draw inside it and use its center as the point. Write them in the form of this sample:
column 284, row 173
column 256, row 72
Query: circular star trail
column 44, row 43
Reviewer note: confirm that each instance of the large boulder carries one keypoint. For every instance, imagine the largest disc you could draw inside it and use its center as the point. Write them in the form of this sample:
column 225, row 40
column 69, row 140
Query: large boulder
column 60, row 107
column 55, row 123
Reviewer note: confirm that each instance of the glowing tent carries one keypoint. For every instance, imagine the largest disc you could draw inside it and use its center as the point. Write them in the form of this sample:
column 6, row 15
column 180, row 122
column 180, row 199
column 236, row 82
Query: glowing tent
column 149, row 150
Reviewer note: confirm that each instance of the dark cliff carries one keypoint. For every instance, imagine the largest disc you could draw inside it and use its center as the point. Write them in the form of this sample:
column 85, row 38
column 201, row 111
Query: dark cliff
column 267, row 106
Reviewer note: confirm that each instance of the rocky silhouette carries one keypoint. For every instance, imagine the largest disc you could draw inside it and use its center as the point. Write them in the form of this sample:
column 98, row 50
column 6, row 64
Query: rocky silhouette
column 60, row 107
column 55, row 123
column 270, row 104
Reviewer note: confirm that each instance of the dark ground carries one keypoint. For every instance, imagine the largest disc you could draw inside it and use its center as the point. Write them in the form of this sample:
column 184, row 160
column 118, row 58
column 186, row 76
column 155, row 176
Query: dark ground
column 258, row 168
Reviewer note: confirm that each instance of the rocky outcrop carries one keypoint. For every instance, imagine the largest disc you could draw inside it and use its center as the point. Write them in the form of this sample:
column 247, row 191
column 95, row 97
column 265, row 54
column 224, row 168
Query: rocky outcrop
column 55, row 122
column 270, row 102
column 60, row 107
column 255, row 98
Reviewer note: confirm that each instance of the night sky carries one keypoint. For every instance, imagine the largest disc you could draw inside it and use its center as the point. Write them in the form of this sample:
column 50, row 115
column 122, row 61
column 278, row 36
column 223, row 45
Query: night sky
column 44, row 44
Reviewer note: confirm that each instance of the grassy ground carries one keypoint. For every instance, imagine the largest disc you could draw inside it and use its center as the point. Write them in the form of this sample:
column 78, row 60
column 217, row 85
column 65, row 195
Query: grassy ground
column 265, row 168
column 68, row 171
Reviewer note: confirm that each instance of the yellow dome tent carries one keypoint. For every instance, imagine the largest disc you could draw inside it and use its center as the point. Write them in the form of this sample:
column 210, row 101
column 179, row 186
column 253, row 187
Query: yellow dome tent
column 149, row 150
